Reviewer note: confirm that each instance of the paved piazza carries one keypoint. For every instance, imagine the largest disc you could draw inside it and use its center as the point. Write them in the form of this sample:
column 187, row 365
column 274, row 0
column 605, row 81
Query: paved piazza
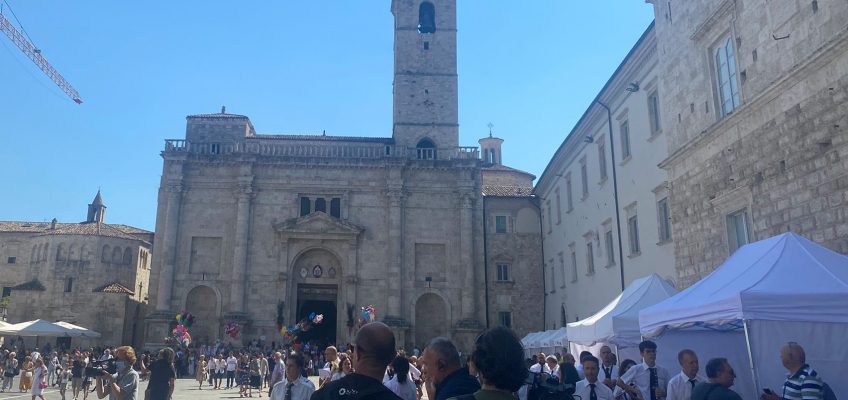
column 186, row 390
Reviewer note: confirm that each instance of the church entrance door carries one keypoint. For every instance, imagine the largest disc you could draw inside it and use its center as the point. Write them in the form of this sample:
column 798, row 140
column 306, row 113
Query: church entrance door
column 202, row 302
column 319, row 299
column 431, row 319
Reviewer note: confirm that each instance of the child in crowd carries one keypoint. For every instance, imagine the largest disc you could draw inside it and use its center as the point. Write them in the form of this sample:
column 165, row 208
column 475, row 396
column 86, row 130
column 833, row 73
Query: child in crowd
column 64, row 377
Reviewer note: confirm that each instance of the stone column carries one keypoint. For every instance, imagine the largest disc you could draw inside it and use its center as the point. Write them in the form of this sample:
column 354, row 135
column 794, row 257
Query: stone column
column 467, row 261
column 169, row 242
column 238, row 283
column 395, row 294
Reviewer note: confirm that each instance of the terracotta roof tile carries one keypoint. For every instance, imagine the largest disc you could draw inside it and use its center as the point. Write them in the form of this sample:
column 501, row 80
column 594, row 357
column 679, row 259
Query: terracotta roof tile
column 114, row 287
column 82, row 228
column 507, row 191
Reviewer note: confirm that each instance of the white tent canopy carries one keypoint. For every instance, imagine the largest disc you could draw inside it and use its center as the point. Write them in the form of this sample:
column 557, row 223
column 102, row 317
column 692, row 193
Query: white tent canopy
column 618, row 323
column 756, row 283
column 785, row 288
column 554, row 339
column 83, row 332
column 38, row 327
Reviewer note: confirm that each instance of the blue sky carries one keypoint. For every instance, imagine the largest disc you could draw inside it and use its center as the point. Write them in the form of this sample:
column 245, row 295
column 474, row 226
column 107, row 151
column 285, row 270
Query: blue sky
column 529, row 67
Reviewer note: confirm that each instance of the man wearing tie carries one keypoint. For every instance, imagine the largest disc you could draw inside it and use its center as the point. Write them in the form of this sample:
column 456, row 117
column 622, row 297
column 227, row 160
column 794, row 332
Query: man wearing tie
column 608, row 373
column 296, row 386
column 590, row 388
column 649, row 379
column 681, row 385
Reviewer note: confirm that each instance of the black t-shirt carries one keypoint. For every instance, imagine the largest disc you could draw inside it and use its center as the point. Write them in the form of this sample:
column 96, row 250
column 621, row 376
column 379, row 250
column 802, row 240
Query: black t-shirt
column 713, row 391
column 355, row 387
column 76, row 369
column 160, row 373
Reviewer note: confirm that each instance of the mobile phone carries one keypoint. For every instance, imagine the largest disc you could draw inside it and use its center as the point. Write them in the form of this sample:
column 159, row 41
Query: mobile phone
column 767, row 391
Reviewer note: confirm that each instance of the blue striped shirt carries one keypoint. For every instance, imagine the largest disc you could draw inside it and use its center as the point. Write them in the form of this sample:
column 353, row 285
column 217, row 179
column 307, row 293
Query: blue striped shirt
column 804, row 384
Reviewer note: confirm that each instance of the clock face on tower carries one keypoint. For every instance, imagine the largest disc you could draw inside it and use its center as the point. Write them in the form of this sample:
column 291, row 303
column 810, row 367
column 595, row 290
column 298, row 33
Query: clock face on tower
column 304, row 272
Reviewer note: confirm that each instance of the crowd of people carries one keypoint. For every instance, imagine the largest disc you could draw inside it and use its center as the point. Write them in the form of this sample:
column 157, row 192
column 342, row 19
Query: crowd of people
column 371, row 368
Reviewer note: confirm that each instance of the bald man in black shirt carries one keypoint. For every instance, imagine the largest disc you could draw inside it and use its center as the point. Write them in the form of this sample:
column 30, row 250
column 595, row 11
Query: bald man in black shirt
column 373, row 350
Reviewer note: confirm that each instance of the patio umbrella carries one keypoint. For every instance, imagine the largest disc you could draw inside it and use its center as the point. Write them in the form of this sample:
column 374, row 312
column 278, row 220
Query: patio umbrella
column 83, row 332
column 37, row 328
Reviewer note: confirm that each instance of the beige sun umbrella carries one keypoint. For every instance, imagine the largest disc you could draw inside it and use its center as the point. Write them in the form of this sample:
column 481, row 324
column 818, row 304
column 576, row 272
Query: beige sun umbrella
column 82, row 332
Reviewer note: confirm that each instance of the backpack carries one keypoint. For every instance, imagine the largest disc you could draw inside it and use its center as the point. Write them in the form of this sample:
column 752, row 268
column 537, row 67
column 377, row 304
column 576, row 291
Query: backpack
column 827, row 392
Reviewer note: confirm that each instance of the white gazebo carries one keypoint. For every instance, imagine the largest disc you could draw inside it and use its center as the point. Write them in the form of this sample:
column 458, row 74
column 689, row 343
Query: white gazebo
column 778, row 290
column 617, row 324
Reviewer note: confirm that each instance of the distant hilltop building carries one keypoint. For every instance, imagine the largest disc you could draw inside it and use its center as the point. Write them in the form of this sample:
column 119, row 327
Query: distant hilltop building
column 90, row 273
column 258, row 228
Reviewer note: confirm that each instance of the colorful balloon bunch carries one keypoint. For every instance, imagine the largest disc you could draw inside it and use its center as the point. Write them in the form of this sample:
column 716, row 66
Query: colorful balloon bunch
column 181, row 336
column 232, row 329
column 185, row 319
column 369, row 314
column 292, row 333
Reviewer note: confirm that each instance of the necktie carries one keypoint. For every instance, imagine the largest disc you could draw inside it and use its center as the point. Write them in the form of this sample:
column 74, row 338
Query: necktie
column 608, row 372
column 654, row 383
column 692, row 382
column 592, row 394
column 289, row 390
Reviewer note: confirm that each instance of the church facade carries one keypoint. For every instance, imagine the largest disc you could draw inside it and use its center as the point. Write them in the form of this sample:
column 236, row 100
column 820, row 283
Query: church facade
column 257, row 229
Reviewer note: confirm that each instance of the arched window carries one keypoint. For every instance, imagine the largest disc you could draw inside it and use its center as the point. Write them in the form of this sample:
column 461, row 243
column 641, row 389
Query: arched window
column 426, row 150
column 72, row 253
column 60, row 253
column 44, row 251
column 426, row 18
column 321, row 205
column 128, row 256
column 34, row 254
column 83, row 253
column 336, row 207
column 106, row 256
column 117, row 255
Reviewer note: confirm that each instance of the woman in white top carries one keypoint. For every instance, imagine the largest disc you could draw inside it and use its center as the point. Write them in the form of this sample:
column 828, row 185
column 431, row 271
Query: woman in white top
column 345, row 368
column 39, row 378
column 400, row 384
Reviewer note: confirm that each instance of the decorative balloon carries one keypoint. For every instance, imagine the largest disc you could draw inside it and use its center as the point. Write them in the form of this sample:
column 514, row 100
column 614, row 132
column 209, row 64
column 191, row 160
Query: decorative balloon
column 292, row 334
column 232, row 329
column 368, row 314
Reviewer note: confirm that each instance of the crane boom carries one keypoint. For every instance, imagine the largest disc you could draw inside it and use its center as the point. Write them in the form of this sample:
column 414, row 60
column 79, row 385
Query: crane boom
column 35, row 55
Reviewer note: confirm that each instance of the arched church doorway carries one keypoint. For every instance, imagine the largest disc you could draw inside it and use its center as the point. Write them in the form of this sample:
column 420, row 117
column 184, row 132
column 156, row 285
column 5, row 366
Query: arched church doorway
column 202, row 302
column 324, row 333
column 318, row 272
column 431, row 319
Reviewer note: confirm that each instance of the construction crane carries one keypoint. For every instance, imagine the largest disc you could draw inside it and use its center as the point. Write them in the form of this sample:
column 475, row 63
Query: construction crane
column 34, row 54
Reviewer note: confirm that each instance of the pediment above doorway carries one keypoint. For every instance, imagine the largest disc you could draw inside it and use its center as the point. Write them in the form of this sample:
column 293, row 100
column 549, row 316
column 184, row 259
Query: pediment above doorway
column 320, row 225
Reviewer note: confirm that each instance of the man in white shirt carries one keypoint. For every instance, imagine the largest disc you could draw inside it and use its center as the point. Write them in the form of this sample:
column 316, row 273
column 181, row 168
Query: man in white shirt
column 648, row 379
column 541, row 365
column 331, row 355
column 232, row 362
column 590, row 388
column 681, row 385
column 279, row 371
column 608, row 373
column 295, row 386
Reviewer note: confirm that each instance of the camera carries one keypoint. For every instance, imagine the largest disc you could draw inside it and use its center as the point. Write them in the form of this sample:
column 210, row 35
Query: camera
column 96, row 368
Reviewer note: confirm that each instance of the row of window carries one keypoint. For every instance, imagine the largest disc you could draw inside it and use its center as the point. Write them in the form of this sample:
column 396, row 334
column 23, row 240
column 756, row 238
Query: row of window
column 626, row 153
column 116, row 255
column 309, row 205
column 633, row 244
